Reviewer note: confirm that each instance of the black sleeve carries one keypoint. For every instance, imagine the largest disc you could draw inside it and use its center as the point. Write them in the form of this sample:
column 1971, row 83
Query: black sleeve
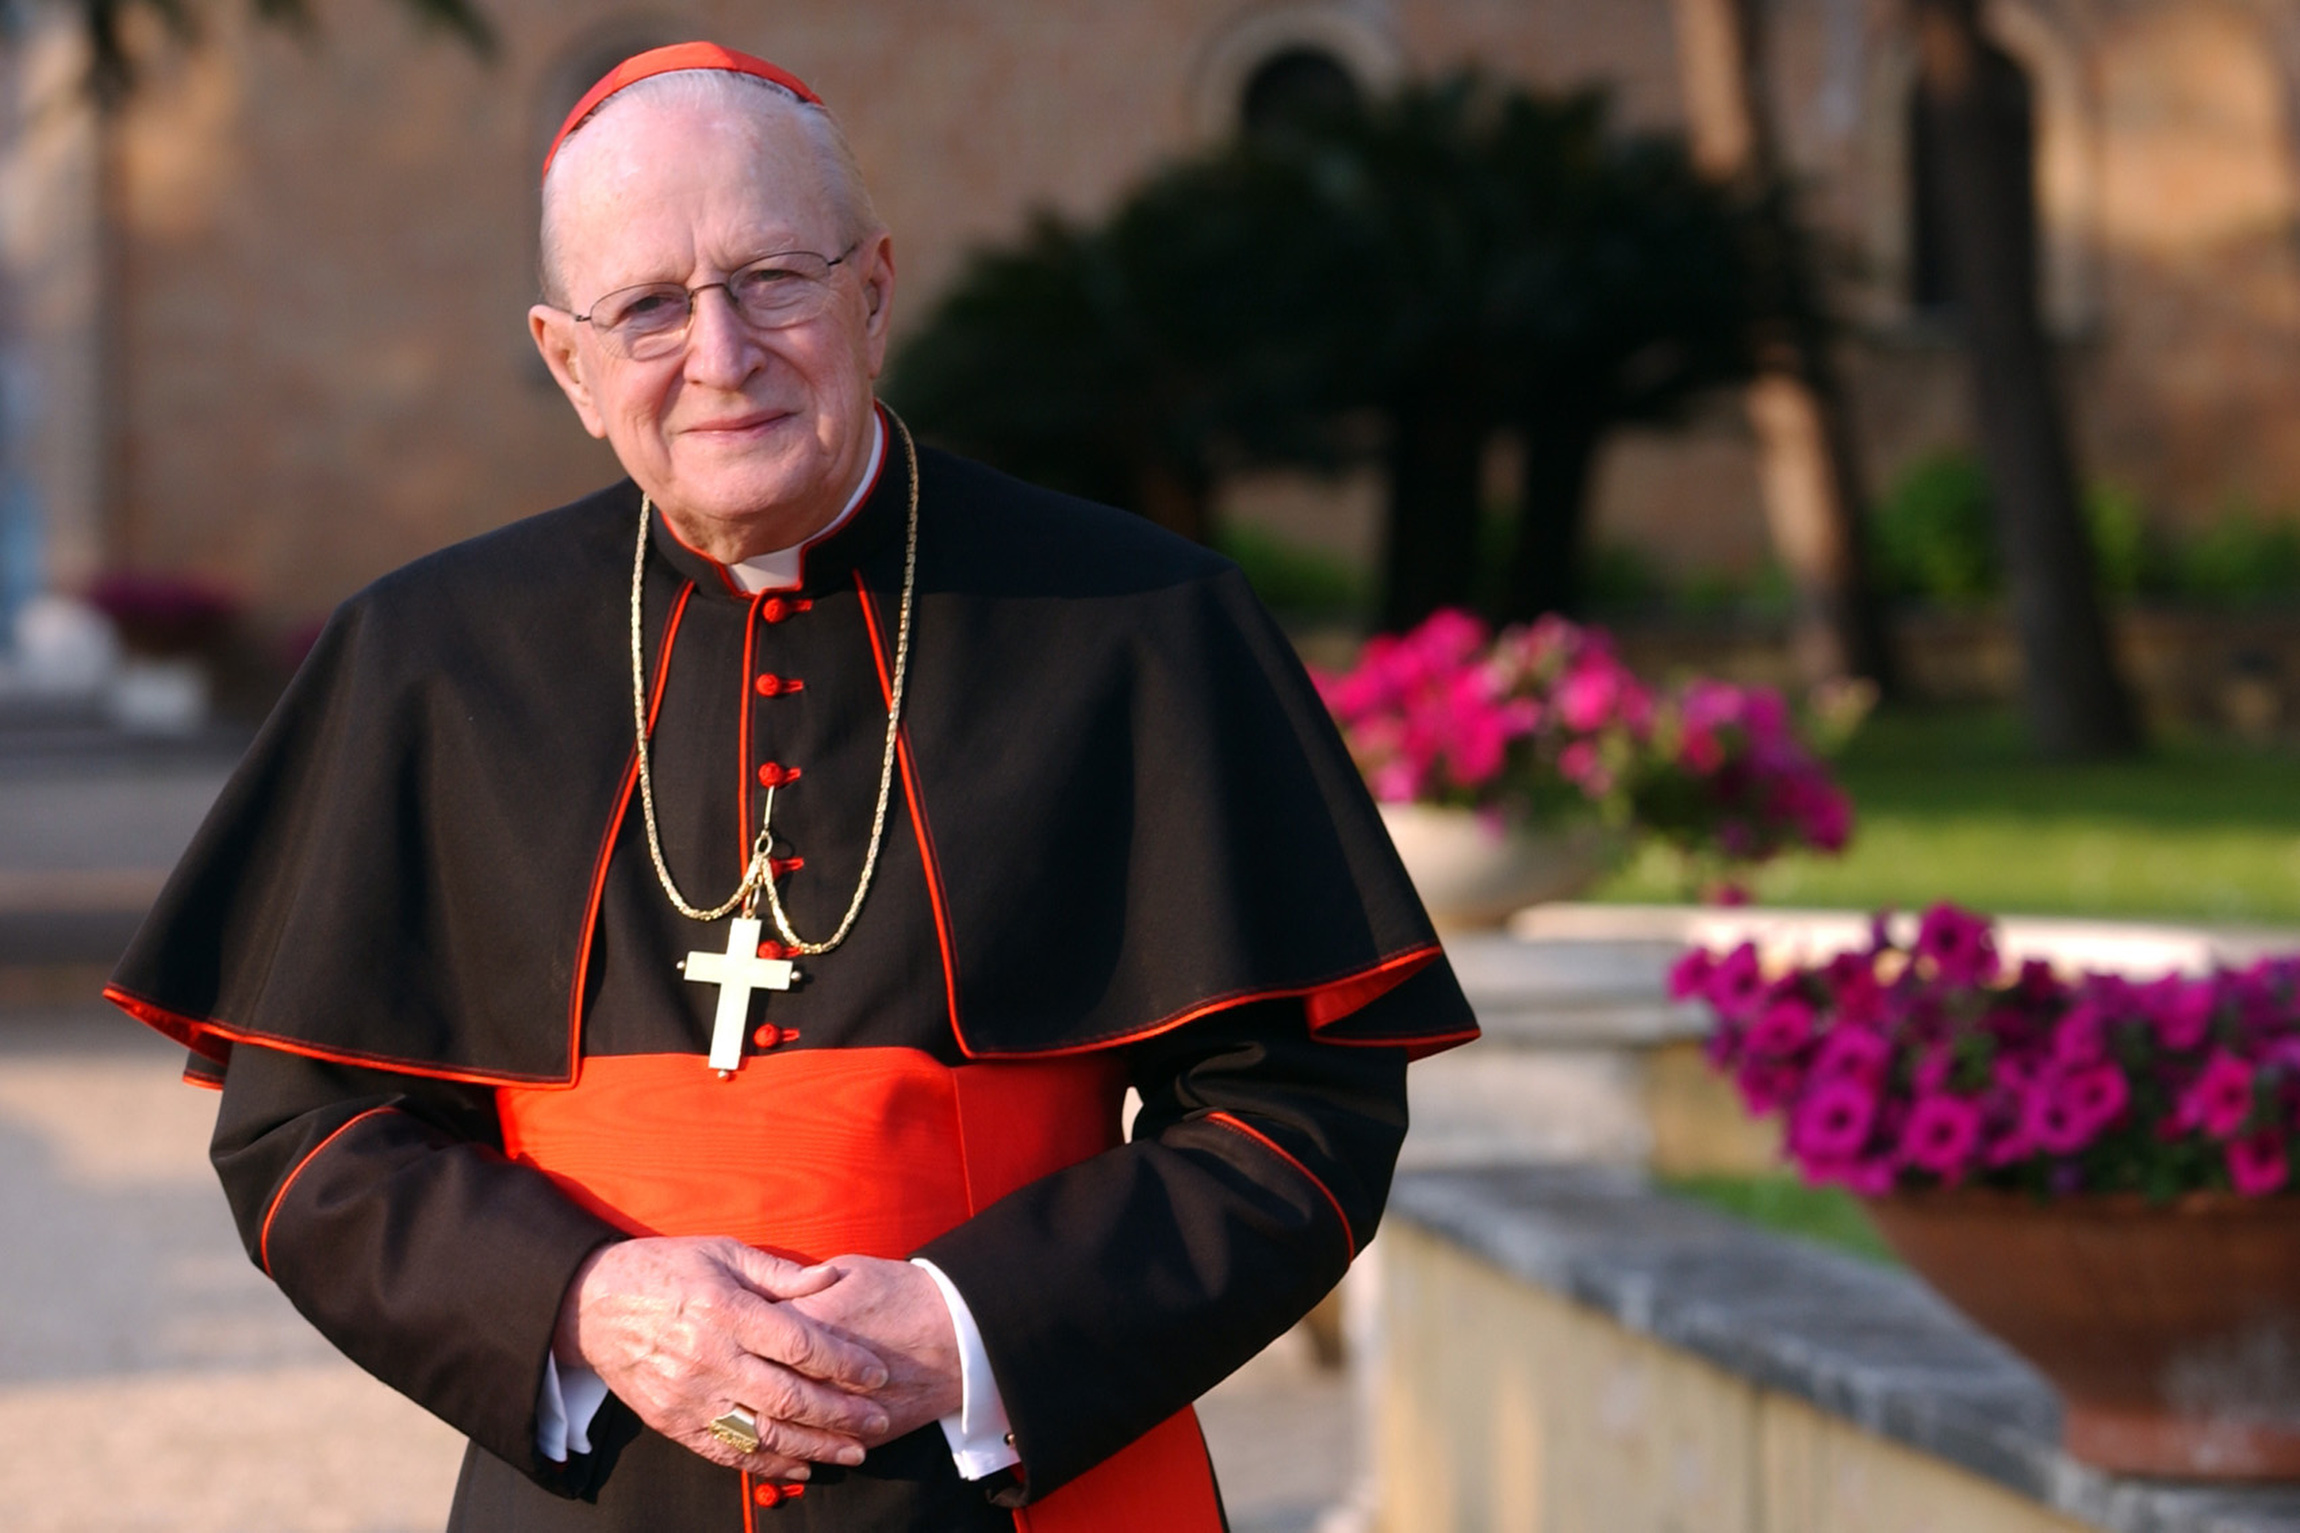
column 383, row 1208
column 1114, row 1293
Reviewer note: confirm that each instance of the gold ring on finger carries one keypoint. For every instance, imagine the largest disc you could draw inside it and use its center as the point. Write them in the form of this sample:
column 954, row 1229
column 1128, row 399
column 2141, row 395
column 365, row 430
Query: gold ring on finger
column 738, row 1429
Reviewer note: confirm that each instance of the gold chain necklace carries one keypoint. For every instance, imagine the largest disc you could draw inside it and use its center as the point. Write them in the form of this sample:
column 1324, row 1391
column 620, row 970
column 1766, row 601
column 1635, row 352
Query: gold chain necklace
column 758, row 875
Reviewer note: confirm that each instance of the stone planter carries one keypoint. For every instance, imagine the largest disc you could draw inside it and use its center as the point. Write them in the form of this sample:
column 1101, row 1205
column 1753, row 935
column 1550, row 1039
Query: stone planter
column 1472, row 874
column 2172, row 1333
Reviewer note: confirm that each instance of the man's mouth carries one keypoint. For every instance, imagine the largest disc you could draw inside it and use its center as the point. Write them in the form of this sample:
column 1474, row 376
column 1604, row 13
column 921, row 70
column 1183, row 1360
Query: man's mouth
column 740, row 425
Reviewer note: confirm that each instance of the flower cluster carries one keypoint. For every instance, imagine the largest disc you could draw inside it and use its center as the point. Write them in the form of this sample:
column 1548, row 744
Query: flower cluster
column 164, row 614
column 1545, row 718
column 1934, row 1065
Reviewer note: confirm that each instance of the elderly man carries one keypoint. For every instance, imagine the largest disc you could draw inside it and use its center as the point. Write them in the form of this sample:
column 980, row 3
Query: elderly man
column 672, row 965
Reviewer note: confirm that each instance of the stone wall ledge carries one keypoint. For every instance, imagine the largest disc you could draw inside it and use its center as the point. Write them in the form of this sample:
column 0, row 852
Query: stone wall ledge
column 1858, row 1340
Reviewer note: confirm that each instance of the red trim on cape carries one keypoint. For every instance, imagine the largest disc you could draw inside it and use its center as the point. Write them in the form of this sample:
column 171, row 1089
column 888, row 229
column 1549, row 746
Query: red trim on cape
column 264, row 1240
column 1408, row 961
column 663, row 61
column 614, row 833
column 199, row 1035
column 924, row 836
column 743, row 832
column 726, row 576
column 1325, row 1002
column 1349, row 1236
column 202, row 1034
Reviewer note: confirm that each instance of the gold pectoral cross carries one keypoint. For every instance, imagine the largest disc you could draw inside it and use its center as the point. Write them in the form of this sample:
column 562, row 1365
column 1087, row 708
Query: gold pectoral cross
column 739, row 972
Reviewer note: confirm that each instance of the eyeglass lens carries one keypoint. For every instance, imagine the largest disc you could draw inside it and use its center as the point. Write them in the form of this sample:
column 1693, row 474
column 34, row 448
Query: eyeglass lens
column 771, row 294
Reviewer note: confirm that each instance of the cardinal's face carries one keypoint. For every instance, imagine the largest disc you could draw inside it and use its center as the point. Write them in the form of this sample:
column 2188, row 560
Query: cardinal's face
column 748, row 439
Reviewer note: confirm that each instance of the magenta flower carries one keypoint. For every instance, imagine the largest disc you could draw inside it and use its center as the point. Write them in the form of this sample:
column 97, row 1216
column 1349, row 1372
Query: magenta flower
column 1590, row 696
column 1689, row 976
column 1766, row 1084
column 2258, row 1164
column 2221, row 1098
column 2097, row 1095
column 2080, row 1038
column 1782, row 1027
column 1833, row 1120
column 1941, row 1136
column 2067, row 1113
column 1959, row 944
column 2181, row 1012
column 1852, row 1053
column 1736, row 983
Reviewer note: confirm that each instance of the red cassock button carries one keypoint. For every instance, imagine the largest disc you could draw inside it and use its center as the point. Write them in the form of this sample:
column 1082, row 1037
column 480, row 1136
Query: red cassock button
column 773, row 949
column 768, row 1495
column 771, row 685
column 776, row 775
column 774, row 609
column 778, row 866
column 770, row 1036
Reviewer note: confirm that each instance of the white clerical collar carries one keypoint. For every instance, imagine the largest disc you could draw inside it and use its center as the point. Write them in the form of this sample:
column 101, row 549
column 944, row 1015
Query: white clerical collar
column 781, row 570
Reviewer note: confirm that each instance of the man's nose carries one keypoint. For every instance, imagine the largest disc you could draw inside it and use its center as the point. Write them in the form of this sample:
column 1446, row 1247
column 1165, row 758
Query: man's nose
column 722, row 351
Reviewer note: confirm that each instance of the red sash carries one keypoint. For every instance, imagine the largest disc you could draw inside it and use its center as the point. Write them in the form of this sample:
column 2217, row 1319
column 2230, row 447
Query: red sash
column 874, row 1151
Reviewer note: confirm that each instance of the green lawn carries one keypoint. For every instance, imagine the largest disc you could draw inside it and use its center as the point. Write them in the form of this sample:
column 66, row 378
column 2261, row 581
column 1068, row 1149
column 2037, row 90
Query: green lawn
column 1953, row 806
column 1786, row 1206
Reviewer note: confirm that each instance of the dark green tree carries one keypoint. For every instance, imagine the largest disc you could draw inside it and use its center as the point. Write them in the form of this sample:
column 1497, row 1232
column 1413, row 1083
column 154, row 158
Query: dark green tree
column 1400, row 281
column 112, row 69
column 1128, row 362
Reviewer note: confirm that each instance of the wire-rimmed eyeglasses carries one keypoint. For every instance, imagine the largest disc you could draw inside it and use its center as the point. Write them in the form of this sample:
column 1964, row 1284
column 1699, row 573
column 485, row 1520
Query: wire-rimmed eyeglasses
column 774, row 292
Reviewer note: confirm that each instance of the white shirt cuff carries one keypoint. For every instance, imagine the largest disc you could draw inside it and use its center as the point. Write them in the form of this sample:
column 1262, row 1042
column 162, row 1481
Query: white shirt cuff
column 563, row 1413
column 980, row 1442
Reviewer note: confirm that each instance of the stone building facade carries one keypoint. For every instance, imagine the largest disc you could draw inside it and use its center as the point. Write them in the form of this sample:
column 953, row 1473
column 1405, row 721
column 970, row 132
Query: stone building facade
column 272, row 313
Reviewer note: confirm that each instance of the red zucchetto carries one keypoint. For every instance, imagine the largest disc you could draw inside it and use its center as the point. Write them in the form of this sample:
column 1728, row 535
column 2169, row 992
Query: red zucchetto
column 663, row 61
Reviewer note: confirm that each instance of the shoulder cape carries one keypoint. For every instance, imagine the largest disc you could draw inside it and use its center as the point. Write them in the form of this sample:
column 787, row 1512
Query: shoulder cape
column 1133, row 808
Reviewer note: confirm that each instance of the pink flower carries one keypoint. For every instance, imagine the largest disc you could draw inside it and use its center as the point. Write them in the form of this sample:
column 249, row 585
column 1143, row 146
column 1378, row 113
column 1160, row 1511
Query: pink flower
column 2221, row 1098
column 2181, row 1012
column 1833, row 1120
column 1941, row 1135
column 1737, row 981
column 1580, row 764
column 1589, row 697
column 2066, row 1114
column 2258, row 1164
column 1689, row 975
column 1959, row 944
column 1766, row 1085
column 1781, row 1028
column 2079, row 1038
column 1860, row 999
column 1852, row 1053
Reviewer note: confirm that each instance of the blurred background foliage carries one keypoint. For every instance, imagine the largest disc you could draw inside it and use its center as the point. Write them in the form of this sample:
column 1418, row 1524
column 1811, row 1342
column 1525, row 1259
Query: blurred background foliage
column 1935, row 541
column 1390, row 283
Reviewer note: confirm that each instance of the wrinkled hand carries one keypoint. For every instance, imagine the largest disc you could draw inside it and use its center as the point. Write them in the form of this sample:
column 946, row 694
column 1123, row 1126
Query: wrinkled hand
column 895, row 1310
column 681, row 1329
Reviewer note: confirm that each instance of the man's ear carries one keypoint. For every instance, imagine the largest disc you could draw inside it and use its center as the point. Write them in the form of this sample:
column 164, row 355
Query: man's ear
column 554, row 332
column 878, row 297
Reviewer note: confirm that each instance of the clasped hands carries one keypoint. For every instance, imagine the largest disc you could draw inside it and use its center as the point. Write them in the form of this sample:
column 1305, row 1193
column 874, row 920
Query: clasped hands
column 834, row 1359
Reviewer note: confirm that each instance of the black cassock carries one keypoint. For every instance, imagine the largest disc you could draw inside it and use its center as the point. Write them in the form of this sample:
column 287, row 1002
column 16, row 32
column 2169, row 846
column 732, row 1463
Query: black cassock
column 1123, row 829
